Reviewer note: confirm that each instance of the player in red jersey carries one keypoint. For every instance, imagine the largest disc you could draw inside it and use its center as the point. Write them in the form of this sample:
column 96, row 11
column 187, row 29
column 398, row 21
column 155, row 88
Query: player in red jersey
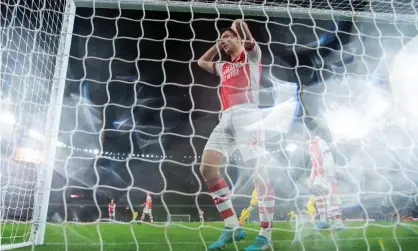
column 147, row 209
column 323, row 183
column 239, row 129
column 112, row 210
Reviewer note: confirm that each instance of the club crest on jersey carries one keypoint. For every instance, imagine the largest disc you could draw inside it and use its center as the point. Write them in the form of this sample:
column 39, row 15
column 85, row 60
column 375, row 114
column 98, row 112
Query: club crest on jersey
column 231, row 70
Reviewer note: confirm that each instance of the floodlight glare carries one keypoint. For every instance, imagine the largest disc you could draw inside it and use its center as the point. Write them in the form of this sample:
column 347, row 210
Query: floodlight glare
column 36, row 135
column 8, row 118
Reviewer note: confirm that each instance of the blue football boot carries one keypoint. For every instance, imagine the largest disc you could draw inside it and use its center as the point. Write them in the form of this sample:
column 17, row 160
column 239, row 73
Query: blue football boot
column 260, row 243
column 322, row 225
column 228, row 236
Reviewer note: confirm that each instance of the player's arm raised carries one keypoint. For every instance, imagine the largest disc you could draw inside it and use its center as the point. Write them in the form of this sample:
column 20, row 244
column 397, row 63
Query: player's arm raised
column 244, row 33
column 206, row 61
column 250, row 45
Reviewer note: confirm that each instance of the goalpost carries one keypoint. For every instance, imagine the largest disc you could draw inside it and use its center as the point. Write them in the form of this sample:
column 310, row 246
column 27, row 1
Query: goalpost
column 35, row 49
column 34, row 55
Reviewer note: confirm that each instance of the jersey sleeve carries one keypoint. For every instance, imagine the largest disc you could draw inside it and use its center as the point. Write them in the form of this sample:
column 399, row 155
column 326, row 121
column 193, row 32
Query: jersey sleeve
column 254, row 52
column 217, row 68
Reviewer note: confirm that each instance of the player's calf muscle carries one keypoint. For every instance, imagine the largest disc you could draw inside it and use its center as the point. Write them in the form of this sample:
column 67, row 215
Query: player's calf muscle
column 209, row 172
column 210, row 165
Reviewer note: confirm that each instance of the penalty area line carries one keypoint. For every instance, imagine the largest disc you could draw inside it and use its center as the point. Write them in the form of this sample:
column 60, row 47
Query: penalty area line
column 206, row 242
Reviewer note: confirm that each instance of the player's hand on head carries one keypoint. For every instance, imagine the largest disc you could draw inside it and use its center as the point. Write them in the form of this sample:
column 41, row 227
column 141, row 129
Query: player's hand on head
column 237, row 24
column 219, row 44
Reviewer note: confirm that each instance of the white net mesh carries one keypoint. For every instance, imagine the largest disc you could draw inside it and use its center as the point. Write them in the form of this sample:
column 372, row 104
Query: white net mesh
column 137, row 113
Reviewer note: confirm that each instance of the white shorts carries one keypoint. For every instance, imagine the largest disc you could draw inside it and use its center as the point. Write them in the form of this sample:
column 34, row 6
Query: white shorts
column 336, row 198
column 240, row 127
column 147, row 211
column 322, row 184
column 112, row 214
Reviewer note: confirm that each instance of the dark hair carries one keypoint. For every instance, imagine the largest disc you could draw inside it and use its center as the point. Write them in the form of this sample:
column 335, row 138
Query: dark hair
column 230, row 30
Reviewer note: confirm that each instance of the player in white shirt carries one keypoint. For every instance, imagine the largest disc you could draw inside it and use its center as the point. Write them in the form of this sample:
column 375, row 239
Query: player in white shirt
column 201, row 213
column 112, row 210
column 239, row 128
column 322, row 182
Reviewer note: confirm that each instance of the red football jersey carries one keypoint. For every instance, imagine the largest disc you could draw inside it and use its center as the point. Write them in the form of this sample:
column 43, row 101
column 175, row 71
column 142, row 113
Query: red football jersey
column 321, row 159
column 316, row 159
column 240, row 79
column 148, row 202
column 335, row 190
column 112, row 207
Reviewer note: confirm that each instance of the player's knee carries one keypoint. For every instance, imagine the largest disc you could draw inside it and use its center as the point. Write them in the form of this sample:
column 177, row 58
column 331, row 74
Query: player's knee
column 258, row 181
column 256, row 164
column 262, row 184
column 260, row 175
column 209, row 172
column 211, row 162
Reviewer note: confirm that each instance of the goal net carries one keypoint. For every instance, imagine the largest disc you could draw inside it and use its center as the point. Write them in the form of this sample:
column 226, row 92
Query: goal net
column 180, row 217
column 104, row 100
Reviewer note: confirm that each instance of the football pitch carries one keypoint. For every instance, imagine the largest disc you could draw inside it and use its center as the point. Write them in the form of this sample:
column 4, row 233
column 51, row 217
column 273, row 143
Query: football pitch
column 382, row 236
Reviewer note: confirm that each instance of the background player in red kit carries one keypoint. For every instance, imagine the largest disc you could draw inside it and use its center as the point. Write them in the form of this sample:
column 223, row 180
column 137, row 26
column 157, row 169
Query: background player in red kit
column 237, row 129
column 112, row 210
column 147, row 209
column 334, row 206
column 323, row 183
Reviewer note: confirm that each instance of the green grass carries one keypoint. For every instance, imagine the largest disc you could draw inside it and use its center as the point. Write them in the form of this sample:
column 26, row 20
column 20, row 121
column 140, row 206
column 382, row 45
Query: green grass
column 188, row 236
